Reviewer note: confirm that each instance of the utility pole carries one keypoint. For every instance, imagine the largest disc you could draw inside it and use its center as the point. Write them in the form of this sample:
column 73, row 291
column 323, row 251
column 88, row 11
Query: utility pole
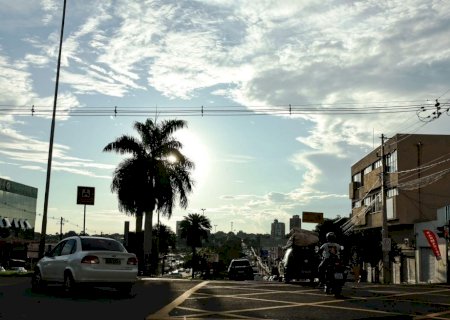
column 203, row 211
column 385, row 240
column 60, row 228
column 50, row 151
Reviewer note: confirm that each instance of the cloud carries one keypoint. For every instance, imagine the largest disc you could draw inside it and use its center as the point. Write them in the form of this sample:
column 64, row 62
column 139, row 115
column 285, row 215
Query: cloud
column 32, row 154
column 235, row 158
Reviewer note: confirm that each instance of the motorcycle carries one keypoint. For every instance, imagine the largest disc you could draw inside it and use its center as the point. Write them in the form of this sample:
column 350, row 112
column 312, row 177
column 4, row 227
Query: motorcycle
column 335, row 276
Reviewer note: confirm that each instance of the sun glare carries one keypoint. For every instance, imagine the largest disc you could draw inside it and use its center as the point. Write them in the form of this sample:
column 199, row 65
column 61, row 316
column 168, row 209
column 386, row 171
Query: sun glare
column 172, row 158
column 197, row 152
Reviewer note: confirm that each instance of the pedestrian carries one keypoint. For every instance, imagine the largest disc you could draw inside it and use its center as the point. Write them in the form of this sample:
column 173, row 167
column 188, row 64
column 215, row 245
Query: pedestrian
column 356, row 267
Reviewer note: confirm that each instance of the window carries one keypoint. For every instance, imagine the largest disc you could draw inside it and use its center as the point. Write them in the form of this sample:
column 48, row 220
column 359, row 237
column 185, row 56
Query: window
column 357, row 177
column 89, row 244
column 392, row 192
column 69, row 247
column 391, row 162
column 368, row 169
column 367, row 201
column 57, row 250
column 357, row 204
column 377, row 164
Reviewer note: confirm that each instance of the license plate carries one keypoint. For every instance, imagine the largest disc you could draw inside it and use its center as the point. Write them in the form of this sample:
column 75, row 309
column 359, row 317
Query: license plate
column 339, row 276
column 112, row 261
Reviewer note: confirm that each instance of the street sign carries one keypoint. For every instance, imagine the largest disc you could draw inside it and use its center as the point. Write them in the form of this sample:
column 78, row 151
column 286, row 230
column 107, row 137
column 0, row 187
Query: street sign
column 314, row 217
column 86, row 195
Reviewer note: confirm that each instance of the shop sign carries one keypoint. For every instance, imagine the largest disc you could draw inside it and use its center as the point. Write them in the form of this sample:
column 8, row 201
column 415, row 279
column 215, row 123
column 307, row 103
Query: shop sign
column 433, row 241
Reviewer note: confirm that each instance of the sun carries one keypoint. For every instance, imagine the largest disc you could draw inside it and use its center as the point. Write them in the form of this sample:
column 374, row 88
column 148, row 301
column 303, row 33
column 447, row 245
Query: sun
column 172, row 158
column 197, row 152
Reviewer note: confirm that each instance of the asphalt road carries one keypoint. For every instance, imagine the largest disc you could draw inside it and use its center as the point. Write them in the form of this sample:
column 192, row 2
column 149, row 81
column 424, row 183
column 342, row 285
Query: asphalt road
column 188, row 299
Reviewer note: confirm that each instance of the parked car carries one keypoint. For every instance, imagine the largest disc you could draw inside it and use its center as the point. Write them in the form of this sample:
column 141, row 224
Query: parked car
column 83, row 260
column 240, row 269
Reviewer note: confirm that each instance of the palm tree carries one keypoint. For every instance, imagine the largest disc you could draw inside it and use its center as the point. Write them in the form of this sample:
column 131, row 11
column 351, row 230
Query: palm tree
column 194, row 228
column 150, row 180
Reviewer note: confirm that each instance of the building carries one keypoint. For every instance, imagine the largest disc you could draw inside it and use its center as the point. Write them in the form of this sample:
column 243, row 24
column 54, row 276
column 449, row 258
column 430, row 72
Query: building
column 411, row 184
column 17, row 207
column 277, row 230
column 295, row 222
column 429, row 267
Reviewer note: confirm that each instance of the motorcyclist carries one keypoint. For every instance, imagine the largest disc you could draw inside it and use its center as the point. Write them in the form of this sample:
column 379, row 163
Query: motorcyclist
column 327, row 249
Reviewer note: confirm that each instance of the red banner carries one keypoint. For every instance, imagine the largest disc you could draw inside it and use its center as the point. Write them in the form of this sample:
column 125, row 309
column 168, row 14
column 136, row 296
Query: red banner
column 433, row 241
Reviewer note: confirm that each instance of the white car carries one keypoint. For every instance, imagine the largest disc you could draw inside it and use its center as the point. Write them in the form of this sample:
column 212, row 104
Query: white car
column 85, row 260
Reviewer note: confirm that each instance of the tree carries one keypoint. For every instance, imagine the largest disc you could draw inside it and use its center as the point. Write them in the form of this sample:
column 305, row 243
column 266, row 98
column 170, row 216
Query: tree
column 194, row 228
column 156, row 175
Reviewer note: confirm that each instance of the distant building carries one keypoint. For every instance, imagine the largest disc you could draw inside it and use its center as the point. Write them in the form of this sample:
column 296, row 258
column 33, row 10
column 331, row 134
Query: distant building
column 277, row 230
column 17, row 207
column 295, row 222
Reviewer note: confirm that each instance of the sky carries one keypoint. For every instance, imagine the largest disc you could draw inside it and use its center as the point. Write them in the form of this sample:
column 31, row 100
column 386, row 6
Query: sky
column 161, row 59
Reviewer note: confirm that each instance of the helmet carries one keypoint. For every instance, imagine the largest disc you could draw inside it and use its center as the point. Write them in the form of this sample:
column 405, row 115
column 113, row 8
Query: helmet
column 331, row 237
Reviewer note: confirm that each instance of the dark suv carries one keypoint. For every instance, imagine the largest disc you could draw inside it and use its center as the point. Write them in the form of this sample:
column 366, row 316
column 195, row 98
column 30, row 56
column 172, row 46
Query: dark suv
column 240, row 269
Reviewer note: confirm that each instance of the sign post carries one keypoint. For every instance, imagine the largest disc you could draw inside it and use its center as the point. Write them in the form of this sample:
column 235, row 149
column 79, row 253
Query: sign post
column 85, row 196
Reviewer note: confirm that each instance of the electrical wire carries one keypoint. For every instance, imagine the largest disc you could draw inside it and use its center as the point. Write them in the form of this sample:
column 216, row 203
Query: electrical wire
column 288, row 109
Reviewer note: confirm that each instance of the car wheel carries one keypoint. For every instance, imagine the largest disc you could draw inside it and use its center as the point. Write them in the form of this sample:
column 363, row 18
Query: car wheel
column 69, row 285
column 37, row 284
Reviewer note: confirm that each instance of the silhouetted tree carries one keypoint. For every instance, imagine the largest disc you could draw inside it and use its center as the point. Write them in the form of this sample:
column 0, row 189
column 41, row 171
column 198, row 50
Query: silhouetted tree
column 194, row 228
column 155, row 176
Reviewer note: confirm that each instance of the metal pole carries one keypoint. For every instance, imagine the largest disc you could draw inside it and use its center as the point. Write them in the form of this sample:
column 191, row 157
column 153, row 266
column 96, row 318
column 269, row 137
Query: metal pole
column 385, row 234
column 84, row 221
column 50, row 149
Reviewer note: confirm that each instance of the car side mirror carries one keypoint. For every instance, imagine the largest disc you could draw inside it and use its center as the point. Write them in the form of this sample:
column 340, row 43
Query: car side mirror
column 48, row 254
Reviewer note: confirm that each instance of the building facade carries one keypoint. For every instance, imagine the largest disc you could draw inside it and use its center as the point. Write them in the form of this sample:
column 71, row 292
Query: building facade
column 295, row 222
column 407, row 180
column 17, row 207
column 277, row 230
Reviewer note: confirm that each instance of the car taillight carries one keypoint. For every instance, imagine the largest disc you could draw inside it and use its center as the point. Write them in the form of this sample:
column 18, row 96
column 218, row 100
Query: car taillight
column 90, row 260
column 132, row 261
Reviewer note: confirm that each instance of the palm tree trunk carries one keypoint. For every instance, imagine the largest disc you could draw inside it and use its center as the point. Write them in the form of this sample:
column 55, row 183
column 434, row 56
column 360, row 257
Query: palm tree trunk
column 139, row 218
column 194, row 261
column 148, row 239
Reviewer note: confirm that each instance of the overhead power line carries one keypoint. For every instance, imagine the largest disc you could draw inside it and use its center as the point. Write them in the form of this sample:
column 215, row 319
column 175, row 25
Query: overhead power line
column 288, row 109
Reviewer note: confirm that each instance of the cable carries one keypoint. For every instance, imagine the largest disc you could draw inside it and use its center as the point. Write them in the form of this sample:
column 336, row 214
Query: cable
column 290, row 109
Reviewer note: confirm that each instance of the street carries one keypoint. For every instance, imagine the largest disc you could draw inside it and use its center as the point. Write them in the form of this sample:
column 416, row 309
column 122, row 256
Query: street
column 155, row 298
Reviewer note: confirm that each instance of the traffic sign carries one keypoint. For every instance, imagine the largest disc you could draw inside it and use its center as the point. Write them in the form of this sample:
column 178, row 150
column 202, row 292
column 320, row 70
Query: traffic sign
column 86, row 195
column 314, row 217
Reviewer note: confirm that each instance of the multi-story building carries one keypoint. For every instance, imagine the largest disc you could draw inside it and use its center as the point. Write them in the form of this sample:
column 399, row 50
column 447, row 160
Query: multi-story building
column 277, row 230
column 414, row 184
column 295, row 222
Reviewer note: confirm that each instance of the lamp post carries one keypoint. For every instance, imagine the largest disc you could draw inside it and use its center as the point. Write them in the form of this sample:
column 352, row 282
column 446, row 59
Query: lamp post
column 50, row 149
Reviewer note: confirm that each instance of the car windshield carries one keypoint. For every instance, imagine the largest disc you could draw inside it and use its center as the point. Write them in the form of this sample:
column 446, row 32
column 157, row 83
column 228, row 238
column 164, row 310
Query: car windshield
column 93, row 244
